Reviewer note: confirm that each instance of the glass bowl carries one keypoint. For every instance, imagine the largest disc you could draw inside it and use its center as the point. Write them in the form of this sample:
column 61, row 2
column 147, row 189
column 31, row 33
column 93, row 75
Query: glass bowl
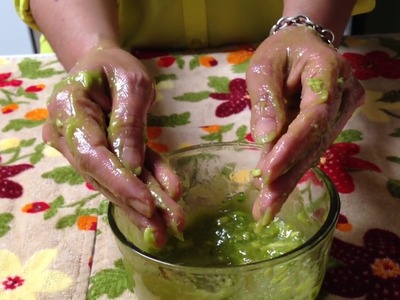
column 216, row 174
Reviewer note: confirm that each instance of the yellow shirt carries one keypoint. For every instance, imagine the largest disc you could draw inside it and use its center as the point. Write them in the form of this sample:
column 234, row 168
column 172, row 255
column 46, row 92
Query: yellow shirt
column 191, row 23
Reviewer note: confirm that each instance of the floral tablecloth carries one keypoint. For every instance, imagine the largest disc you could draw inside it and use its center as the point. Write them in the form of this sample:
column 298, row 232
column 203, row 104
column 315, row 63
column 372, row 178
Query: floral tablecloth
column 55, row 242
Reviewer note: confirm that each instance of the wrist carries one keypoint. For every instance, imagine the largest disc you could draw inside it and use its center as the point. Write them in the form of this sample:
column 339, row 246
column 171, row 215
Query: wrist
column 325, row 34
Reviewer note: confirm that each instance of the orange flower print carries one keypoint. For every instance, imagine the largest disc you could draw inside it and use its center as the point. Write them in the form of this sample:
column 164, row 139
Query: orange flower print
column 35, row 88
column 239, row 56
column 9, row 108
column 87, row 222
column 343, row 224
column 153, row 133
column 35, row 207
column 37, row 114
column 211, row 128
column 207, row 61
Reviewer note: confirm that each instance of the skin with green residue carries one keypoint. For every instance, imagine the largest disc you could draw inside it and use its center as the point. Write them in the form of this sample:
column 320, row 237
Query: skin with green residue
column 317, row 86
column 88, row 79
column 149, row 238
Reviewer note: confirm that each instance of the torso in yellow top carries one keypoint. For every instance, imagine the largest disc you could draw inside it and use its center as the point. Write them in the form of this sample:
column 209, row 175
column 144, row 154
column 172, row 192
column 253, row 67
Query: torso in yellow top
column 193, row 23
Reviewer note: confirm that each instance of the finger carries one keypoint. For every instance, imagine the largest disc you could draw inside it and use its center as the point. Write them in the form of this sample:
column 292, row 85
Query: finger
column 79, row 123
column 312, row 128
column 170, row 210
column 163, row 173
column 132, row 93
column 265, row 78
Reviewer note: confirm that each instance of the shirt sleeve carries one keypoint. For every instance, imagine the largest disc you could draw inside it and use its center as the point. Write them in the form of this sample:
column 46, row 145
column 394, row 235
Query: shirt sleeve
column 23, row 11
column 363, row 6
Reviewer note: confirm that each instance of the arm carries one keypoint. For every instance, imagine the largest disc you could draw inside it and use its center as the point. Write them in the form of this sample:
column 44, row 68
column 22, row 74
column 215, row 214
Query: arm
column 330, row 14
column 98, row 114
column 74, row 27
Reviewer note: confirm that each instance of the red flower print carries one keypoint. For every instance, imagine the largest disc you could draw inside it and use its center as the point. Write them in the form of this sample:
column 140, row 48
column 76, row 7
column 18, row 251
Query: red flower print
column 12, row 282
column 166, row 61
column 338, row 161
column 372, row 271
column 35, row 207
column 374, row 64
column 10, row 189
column 89, row 186
column 5, row 80
column 236, row 101
column 35, row 88
column 249, row 138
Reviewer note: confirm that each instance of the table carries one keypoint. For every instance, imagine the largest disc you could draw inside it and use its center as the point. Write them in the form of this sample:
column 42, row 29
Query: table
column 55, row 242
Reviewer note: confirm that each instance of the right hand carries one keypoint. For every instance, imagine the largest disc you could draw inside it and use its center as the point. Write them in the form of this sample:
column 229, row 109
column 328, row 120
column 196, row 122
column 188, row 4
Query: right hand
column 97, row 120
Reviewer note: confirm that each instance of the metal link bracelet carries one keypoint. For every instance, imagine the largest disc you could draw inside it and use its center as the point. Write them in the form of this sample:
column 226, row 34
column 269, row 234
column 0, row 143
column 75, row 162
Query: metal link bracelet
column 301, row 20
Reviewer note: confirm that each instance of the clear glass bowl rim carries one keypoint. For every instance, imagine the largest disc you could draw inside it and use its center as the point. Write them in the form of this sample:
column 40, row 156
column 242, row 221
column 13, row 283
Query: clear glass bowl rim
column 310, row 244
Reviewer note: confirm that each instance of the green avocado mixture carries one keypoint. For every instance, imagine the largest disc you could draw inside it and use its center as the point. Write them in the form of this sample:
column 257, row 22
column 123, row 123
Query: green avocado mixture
column 227, row 237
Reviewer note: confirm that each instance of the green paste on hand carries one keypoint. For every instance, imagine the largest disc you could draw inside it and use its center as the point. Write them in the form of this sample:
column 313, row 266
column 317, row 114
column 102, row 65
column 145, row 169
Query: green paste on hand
column 318, row 87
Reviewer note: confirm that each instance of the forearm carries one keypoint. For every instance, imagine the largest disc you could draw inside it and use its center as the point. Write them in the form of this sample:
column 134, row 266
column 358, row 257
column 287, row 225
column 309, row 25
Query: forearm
column 73, row 27
column 330, row 14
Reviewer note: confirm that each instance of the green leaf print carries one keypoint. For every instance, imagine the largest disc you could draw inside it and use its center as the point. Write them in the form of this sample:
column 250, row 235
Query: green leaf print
column 218, row 136
column 349, row 136
column 65, row 174
column 180, row 62
column 21, row 92
column 393, row 187
column 241, row 68
column 194, row 62
column 219, row 84
column 18, row 124
column 33, row 69
column 394, row 159
column 5, row 219
column 390, row 97
column 66, row 221
column 110, row 282
column 54, row 206
column 193, row 97
column 241, row 133
column 168, row 121
column 165, row 77
column 38, row 154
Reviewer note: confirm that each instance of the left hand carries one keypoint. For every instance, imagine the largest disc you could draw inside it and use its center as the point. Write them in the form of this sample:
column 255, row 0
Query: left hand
column 303, row 92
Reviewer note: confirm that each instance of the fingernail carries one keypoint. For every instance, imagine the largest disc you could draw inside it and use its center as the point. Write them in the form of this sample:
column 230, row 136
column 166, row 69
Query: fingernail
column 264, row 221
column 265, row 130
column 175, row 231
column 149, row 237
column 137, row 171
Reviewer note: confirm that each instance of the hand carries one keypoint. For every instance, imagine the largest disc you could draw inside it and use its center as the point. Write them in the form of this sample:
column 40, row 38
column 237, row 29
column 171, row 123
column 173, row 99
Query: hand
column 97, row 119
column 303, row 93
